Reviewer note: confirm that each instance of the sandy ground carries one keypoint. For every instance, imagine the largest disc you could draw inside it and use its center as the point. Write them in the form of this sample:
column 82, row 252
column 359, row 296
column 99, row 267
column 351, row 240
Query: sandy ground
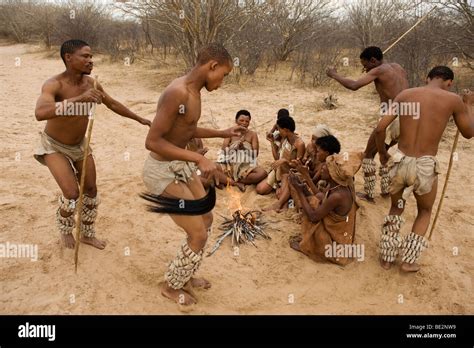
column 270, row 279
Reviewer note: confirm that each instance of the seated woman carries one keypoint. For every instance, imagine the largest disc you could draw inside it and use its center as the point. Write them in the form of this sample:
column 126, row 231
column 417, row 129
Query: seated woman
column 238, row 156
column 309, row 159
column 324, row 147
column 292, row 147
column 274, row 135
column 330, row 217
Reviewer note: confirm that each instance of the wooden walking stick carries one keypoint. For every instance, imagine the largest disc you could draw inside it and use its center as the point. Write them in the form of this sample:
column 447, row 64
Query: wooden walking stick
column 448, row 172
column 90, row 123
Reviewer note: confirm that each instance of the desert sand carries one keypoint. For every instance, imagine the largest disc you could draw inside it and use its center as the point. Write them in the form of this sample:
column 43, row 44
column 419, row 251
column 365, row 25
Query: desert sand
column 270, row 279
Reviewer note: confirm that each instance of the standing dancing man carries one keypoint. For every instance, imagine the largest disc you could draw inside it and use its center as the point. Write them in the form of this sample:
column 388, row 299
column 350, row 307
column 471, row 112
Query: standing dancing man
column 415, row 164
column 64, row 104
column 389, row 80
column 170, row 174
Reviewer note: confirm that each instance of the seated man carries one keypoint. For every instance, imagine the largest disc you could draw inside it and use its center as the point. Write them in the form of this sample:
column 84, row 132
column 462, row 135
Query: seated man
column 238, row 158
column 292, row 147
column 330, row 218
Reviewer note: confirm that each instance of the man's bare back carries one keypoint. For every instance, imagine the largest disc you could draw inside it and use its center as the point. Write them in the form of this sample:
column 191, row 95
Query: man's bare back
column 391, row 80
column 420, row 137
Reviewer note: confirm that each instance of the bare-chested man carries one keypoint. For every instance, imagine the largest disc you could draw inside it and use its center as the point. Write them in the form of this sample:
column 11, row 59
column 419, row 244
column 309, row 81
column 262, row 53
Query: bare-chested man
column 389, row 79
column 414, row 163
column 170, row 170
column 238, row 158
column 64, row 104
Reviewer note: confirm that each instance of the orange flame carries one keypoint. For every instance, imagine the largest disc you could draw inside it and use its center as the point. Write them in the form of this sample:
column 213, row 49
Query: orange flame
column 234, row 199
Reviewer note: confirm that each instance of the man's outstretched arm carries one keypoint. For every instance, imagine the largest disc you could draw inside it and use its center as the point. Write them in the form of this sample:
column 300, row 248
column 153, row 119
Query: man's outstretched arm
column 121, row 109
column 353, row 85
column 234, row 131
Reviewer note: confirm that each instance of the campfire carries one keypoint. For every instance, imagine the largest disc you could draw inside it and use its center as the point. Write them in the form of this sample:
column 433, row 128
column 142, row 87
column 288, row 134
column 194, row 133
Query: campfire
column 243, row 228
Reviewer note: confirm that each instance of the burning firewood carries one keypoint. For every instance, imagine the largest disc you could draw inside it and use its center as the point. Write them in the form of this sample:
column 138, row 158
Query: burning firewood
column 243, row 228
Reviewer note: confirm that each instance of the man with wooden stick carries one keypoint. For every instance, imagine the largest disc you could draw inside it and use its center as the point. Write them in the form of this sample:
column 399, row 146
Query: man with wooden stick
column 65, row 102
column 389, row 80
column 414, row 164
column 170, row 171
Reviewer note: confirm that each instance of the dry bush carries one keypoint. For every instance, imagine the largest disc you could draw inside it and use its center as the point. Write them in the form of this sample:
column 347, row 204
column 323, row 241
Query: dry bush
column 376, row 22
column 307, row 34
column 189, row 23
column 14, row 23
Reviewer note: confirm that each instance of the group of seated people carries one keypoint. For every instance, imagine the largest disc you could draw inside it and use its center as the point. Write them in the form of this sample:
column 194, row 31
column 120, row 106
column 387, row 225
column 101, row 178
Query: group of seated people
column 317, row 180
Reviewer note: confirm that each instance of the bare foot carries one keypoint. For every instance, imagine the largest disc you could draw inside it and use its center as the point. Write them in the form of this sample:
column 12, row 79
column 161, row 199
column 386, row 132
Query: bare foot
column 241, row 186
column 179, row 296
column 200, row 283
column 275, row 206
column 410, row 267
column 295, row 243
column 365, row 197
column 385, row 264
column 99, row 244
column 68, row 240
column 189, row 289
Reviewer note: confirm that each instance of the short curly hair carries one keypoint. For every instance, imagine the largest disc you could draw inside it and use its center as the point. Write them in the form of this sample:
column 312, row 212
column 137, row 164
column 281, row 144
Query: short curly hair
column 213, row 51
